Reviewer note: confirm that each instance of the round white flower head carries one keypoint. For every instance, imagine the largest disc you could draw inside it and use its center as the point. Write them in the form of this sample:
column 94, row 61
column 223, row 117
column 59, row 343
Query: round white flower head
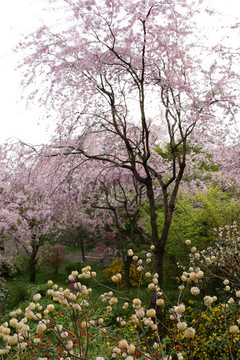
column 140, row 313
column 31, row 306
column 227, row 288
column 225, row 307
column 50, row 307
column 234, row 329
column 77, row 307
column 189, row 333
column 100, row 321
column 152, row 247
column 195, row 291
column 58, row 328
column 100, row 358
column 84, row 324
column 64, row 334
column 69, row 345
column 36, row 297
column 36, row 340
column 50, row 283
column 183, row 278
column 151, row 312
column 231, row 300
column 200, row 274
column 188, row 242
column 148, row 274
column 113, row 301
column 41, row 328
column 208, row 261
column 182, row 326
column 193, row 249
column 29, row 314
column 208, row 300
column 137, row 302
column 71, row 278
column 13, row 322
column 129, row 357
column 12, row 340
column 123, row 344
column 130, row 252
column 50, row 292
column 180, row 309
column 160, row 302
column 226, row 282
column 238, row 293
column 154, row 327
column 131, row 349
column 193, row 276
column 151, row 286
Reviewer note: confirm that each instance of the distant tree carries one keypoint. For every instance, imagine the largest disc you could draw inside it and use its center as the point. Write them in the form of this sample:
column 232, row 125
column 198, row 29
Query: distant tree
column 29, row 201
column 198, row 212
column 127, row 76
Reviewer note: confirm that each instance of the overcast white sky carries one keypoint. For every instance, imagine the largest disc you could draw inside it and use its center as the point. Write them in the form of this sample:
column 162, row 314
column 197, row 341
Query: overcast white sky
column 19, row 17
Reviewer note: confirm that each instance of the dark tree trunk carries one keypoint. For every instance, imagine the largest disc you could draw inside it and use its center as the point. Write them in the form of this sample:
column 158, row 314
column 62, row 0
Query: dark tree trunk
column 33, row 266
column 82, row 248
column 127, row 263
column 33, row 258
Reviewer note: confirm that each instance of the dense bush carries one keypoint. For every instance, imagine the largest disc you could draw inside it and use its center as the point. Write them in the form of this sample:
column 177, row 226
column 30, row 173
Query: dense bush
column 54, row 256
column 72, row 326
column 117, row 266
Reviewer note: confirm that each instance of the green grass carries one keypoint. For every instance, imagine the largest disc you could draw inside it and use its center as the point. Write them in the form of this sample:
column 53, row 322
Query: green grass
column 20, row 290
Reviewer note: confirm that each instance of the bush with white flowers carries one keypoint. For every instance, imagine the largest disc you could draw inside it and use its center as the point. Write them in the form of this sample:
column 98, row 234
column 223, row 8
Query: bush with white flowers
column 78, row 326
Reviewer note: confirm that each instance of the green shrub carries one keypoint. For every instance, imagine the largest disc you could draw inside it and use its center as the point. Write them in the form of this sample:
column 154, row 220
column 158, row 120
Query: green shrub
column 73, row 265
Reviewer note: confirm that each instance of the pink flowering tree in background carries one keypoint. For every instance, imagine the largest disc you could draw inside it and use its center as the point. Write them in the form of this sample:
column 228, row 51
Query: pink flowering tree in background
column 103, row 199
column 125, row 77
column 28, row 212
column 115, row 197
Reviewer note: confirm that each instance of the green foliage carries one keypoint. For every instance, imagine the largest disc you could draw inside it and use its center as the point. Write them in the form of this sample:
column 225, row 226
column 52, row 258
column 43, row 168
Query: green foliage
column 74, row 265
column 194, row 218
column 167, row 152
column 211, row 340
column 205, row 165
column 19, row 292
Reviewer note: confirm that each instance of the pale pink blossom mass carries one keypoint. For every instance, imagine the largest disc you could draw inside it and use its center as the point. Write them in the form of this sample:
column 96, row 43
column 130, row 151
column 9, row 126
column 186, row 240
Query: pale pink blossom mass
column 19, row 18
